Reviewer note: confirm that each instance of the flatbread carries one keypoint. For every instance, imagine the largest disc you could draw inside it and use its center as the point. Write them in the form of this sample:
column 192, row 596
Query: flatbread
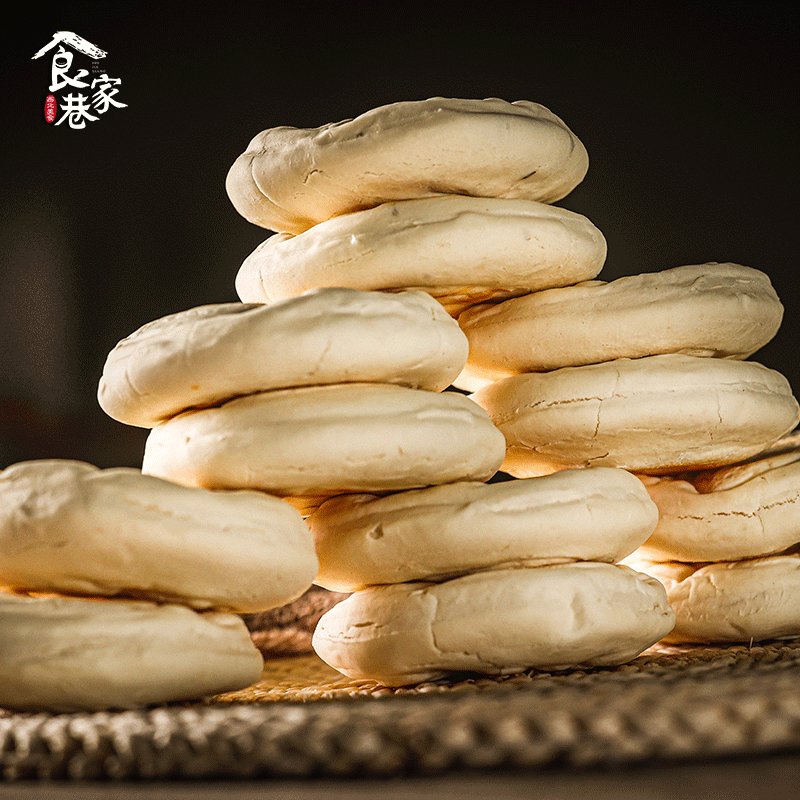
column 658, row 414
column 289, row 179
column 314, row 442
column 712, row 310
column 750, row 510
column 71, row 528
column 495, row 622
column 734, row 601
column 597, row 514
column 69, row 654
column 208, row 355
column 461, row 250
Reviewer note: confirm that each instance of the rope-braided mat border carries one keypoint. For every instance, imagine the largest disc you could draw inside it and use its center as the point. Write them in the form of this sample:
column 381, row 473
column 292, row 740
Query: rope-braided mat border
column 301, row 721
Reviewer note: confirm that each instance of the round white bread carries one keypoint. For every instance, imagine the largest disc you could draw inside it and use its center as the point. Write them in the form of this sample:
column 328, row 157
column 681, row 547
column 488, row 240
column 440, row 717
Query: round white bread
column 318, row 441
column 711, row 310
column 657, row 414
column 462, row 250
column 495, row 622
column 69, row 655
column 211, row 354
column 598, row 514
column 289, row 179
column 71, row 528
column 743, row 511
column 732, row 601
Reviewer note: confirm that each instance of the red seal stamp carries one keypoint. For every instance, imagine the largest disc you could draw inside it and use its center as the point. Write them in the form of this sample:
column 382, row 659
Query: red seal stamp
column 50, row 108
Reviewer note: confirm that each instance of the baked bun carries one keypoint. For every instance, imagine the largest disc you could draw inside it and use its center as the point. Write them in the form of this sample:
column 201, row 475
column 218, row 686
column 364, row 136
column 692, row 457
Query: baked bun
column 314, row 442
column 742, row 511
column 495, row 622
column 289, row 179
column 211, row 354
column 658, row 414
column 733, row 601
column 711, row 310
column 597, row 514
column 74, row 654
column 71, row 528
column 462, row 250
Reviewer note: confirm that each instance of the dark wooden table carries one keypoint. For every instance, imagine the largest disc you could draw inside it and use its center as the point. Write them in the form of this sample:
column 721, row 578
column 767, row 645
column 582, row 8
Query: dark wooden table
column 772, row 778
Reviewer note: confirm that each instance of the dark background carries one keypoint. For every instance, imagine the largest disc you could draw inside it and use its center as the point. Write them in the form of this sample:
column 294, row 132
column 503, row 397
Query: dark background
column 689, row 113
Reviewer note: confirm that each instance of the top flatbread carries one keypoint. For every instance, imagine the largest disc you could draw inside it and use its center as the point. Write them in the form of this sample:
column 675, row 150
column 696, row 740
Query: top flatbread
column 710, row 310
column 208, row 355
column 289, row 178
column 71, row 528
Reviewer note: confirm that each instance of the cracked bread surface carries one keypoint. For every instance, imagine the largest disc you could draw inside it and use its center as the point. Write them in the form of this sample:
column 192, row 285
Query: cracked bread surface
column 495, row 622
column 730, row 601
column 712, row 310
column 658, row 414
column 289, row 179
column 208, row 355
column 750, row 510
column 462, row 250
column 596, row 514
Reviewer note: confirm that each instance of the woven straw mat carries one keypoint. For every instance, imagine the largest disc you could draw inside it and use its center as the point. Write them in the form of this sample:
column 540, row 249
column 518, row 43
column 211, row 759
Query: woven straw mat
column 304, row 719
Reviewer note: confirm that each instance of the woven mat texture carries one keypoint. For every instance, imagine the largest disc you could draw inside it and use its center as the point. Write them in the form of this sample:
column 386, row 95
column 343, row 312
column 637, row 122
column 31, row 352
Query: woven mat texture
column 305, row 720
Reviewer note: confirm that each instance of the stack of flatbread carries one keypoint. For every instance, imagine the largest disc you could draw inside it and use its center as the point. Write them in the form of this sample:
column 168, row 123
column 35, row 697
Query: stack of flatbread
column 121, row 589
column 416, row 248
column 453, row 198
column 647, row 373
column 727, row 548
column 492, row 578
column 651, row 373
column 334, row 391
